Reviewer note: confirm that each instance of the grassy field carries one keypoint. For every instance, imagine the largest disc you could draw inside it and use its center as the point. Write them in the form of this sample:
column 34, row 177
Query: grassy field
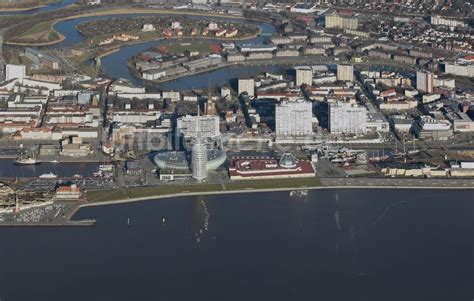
column 272, row 184
column 40, row 33
column 24, row 5
column 118, row 194
column 95, row 196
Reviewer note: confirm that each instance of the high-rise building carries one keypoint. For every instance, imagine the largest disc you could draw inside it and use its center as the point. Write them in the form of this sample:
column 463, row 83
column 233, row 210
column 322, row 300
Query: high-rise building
column 15, row 71
column 347, row 118
column 199, row 155
column 2, row 61
column 304, row 76
column 199, row 159
column 345, row 73
column 246, row 85
column 187, row 126
column 424, row 81
column 293, row 120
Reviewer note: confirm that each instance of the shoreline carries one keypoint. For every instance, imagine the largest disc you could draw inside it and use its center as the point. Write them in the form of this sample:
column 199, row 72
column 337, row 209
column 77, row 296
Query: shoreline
column 70, row 222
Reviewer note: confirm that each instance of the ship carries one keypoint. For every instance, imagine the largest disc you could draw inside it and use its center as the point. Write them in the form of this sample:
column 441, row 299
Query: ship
column 27, row 161
column 49, row 175
column 379, row 159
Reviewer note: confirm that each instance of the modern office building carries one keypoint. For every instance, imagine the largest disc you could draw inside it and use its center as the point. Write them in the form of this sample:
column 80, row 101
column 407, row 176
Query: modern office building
column 293, row 120
column 424, row 81
column 347, row 118
column 345, row 72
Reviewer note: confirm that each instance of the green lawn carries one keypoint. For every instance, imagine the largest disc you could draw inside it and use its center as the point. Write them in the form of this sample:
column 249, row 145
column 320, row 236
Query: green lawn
column 119, row 194
column 178, row 48
column 41, row 32
column 273, row 184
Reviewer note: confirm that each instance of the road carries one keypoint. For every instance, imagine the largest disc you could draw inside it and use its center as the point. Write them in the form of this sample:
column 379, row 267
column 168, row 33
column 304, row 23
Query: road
column 399, row 182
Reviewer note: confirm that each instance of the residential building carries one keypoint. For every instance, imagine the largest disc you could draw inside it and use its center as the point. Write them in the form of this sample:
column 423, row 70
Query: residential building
column 347, row 118
column 424, row 81
column 15, row 71
column 345, row 73
column 334, row 20
column 187, row 126
column 304, row 76
column 293, row 120
column 246, row 85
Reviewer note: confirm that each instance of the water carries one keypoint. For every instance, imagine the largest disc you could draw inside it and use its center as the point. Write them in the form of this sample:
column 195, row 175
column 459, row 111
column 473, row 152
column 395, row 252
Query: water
column 216, row 78
column 384, row 245
column 115, row 64
column 49, row 7
column 9, row 169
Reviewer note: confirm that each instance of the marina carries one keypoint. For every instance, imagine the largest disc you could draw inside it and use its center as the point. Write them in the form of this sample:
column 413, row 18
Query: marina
column 10, row 169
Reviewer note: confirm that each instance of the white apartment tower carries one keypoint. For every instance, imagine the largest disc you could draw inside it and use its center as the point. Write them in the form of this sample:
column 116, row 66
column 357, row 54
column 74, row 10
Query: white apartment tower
column 246, row 85
column 346, row 118
column 334, row 20
column 208, row 126
column 345, row 73
column 293, row 120
column 424, row 81
column 15, row 71
column 304, row 76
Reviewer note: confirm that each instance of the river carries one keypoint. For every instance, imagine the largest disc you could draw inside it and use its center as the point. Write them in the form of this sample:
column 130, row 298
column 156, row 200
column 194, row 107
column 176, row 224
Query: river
column 115, row 65
column 46, row 8
column 330, row 245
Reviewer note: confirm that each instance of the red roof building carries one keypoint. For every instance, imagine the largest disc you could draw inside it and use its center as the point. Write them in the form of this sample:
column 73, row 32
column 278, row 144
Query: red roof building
column 245, row 168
